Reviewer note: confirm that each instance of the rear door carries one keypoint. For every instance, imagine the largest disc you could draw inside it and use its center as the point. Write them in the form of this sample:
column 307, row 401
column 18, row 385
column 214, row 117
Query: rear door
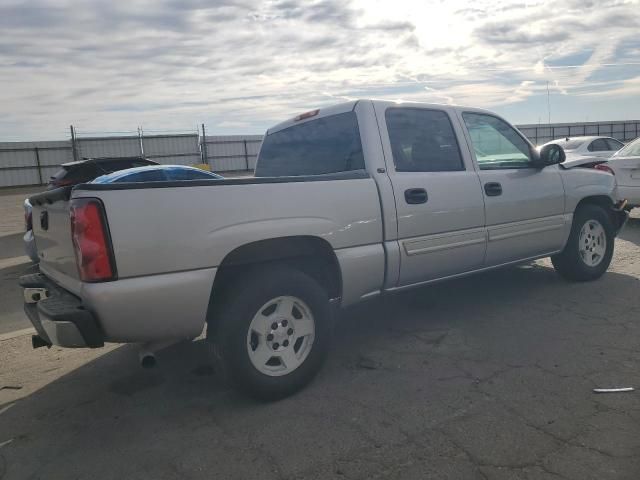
column 439, row 204
column 524, row 205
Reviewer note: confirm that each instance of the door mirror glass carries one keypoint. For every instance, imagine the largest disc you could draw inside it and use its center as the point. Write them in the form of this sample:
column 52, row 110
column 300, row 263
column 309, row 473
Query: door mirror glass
column 551, row 154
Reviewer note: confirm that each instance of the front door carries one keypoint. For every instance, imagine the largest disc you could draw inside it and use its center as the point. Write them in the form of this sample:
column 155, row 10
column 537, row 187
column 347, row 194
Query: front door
column 524, row 205
column 439, row 204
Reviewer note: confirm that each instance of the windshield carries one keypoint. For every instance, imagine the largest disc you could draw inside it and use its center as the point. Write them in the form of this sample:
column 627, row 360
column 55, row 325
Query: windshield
column 631, row 150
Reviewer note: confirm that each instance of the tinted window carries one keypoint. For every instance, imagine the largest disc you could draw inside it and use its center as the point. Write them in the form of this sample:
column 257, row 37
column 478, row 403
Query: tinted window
column 83, row 172
column 422, row 140
column 599, row 145
column 327, row 145
column 496, row 144
column 186, row 174
column 614, row 144
column 148, row 176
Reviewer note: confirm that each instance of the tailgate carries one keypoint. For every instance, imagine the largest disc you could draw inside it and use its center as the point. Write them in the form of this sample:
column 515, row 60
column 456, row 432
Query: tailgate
column 52, row 231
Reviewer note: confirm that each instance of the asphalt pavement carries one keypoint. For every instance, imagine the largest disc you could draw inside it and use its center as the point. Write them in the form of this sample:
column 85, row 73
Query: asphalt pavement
column 487, row 377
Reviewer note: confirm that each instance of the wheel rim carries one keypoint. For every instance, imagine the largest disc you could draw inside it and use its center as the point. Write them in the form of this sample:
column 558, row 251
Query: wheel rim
column 280, row 336
column 593, row 243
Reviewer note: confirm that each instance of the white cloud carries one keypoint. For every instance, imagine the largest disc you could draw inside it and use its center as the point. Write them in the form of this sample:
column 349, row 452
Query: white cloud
column 244, row 64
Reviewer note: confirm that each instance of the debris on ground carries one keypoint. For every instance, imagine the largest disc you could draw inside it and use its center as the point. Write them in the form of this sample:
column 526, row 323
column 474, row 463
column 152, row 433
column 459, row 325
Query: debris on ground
column 367, row 363
column 613, row 390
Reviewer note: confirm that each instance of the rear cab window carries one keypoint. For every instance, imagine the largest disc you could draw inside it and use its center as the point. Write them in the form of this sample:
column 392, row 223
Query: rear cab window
column 327, row 145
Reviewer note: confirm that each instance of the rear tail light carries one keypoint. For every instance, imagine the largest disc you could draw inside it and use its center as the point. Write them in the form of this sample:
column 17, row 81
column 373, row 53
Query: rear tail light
column 604, row 168
column 91, row 241
column 28, row 221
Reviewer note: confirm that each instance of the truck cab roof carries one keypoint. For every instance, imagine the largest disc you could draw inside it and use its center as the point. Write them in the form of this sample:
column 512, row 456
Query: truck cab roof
column 351, row 105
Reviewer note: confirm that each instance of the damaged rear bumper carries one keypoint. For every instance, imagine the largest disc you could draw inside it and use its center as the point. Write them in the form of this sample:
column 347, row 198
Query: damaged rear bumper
column 58, row 316
column 619, row 215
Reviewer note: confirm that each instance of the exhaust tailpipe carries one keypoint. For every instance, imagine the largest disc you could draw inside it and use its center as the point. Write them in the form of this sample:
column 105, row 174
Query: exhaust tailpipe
column 147, row 354
column 147, row 360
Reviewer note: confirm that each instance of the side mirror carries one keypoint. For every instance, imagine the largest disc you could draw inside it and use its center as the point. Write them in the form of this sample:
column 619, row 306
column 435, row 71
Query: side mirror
column 551, row 154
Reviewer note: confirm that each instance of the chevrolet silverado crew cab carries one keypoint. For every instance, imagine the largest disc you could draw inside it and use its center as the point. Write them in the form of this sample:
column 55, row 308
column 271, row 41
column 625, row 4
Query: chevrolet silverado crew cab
column 347, row 203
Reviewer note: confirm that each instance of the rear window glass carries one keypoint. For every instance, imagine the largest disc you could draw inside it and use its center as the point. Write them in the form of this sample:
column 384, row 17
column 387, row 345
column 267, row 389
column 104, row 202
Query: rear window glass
column 614, row 144
column 631, row 150
column 327, row 145
column 148, row 176
column 187, row 174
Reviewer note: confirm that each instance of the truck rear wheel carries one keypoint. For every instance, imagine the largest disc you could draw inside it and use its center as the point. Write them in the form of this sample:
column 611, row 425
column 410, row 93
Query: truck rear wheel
column 589, row 249
column 272, row 331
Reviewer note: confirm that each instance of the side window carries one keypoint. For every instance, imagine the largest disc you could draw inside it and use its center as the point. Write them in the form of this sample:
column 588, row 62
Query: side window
column 496, row 144
column 326, row 145
column 614, row 145
column 599, row 145
column 149, row 176
column 422, row 140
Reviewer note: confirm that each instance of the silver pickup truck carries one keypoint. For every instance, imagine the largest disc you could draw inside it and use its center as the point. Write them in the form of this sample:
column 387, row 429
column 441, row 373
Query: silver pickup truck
column 347, row 203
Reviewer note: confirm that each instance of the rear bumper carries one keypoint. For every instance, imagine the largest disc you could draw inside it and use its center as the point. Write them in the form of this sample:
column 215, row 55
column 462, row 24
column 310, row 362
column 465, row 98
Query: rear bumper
column 30, row 246
column 61, row 319
column 632, row 194
column 620, row 215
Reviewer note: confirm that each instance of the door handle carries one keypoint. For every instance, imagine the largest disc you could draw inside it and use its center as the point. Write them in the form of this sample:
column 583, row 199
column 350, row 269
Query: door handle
column 492, row 189
column 414, row 196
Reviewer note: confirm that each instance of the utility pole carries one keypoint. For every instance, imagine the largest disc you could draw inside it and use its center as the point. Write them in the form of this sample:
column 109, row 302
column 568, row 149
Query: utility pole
column 548, row 103
column 74, row 149
column 140, row 136
column 203, row 149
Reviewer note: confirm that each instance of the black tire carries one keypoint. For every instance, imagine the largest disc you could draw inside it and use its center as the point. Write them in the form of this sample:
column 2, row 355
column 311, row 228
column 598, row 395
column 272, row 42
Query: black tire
column 569, row 263
column 234, row 313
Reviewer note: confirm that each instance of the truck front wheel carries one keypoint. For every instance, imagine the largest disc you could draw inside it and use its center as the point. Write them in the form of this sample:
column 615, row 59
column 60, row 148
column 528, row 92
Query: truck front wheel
column 589, row 249
column 272, row 331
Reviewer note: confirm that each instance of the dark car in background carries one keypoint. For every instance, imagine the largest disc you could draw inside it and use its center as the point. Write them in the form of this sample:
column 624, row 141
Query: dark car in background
column 74, row 173
column 158, row 173
column 83, row 171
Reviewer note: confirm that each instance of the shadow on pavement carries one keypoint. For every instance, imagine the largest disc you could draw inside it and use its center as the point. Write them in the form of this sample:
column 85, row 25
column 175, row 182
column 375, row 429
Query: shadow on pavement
column 11, row 246
column 12, row 316
column 631, row 231
column 447, row 380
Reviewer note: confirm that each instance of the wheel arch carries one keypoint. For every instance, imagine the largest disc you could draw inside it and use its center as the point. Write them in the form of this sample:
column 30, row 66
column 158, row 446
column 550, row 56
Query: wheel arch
column 617, row 216
column 310, row 254
column 603, row 201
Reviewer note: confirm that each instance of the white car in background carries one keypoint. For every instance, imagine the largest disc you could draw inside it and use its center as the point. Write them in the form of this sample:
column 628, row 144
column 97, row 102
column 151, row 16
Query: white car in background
column 626, row 167
column 585, row 149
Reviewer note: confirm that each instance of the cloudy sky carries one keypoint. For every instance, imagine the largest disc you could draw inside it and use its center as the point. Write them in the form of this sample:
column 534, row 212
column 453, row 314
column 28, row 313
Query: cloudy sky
column 241, row 65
